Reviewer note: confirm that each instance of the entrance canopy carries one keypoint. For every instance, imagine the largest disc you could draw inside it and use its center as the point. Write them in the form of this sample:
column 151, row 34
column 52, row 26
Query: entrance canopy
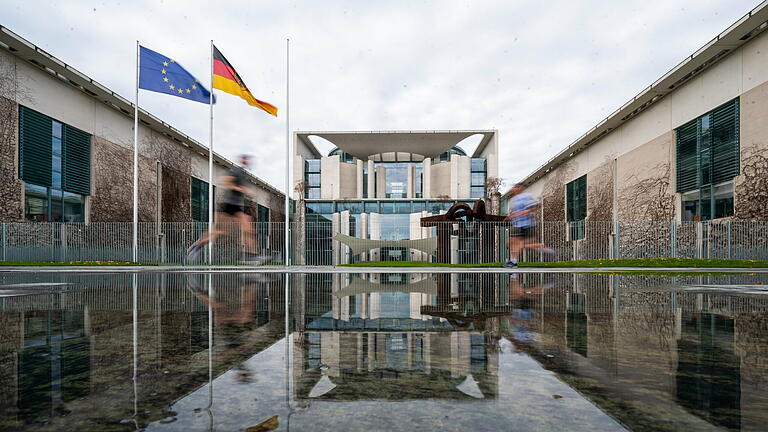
column 365, row 144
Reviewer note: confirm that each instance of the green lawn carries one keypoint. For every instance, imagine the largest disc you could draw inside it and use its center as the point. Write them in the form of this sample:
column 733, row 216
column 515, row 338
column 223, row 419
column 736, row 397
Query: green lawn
column 68, row 263
column 640, row 262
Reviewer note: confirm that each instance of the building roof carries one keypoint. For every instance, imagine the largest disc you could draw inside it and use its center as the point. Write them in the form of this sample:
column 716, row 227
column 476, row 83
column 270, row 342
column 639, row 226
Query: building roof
column 363, row 144
column 38, row 57
column 736, row 35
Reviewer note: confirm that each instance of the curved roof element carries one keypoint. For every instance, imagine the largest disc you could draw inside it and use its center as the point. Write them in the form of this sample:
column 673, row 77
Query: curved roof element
column 363, row 286
column 364, row 144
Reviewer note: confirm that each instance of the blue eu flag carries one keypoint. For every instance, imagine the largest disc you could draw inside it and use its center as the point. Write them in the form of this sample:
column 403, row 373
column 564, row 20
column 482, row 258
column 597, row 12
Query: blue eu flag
column 162, row 74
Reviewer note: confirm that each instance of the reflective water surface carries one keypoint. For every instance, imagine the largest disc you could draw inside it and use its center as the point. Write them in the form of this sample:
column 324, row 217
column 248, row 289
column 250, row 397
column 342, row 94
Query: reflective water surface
column 389, row 352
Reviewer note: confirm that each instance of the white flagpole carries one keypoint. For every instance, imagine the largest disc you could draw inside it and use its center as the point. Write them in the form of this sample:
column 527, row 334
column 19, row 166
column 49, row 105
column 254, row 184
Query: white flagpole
column 136, row 161
column 210, row 168
column 287, row 152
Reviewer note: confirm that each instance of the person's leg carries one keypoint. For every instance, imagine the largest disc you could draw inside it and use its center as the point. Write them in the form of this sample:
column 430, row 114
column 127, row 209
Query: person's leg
column 246, row 232
column 218, row 229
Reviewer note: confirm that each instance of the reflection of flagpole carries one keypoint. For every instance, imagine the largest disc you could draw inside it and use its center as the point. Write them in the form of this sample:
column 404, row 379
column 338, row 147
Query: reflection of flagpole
column 209, row 409
column 287, row 150
column 135, row 245
column 135, row 328
column 210, row 169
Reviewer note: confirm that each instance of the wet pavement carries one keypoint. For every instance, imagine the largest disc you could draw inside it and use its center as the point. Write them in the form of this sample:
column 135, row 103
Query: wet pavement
column 382, row 351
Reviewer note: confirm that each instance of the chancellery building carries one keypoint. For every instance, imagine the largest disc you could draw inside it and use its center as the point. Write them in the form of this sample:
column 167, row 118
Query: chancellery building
column 377, row 185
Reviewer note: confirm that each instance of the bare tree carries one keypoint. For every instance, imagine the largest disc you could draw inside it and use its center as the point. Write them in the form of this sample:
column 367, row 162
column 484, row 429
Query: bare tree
column 752, row 187
column 647, row 196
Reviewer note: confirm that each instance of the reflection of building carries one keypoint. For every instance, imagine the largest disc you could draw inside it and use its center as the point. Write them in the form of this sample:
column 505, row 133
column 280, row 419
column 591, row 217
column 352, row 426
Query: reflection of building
column 377, row 343
column 689, row 353
column 377, row 185
column 67, row 357
column 691, row 146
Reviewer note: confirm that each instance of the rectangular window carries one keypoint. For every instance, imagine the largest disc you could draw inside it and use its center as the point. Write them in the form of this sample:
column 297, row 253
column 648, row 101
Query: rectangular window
column 576, row 206
column 352, row 207
column 365, row 182
column 708, row 158
column 312, row 178
column 418, row 181
column 320, row 207
column 478, row 176
column 55, row 165
column 199, row 199
column 262, row 217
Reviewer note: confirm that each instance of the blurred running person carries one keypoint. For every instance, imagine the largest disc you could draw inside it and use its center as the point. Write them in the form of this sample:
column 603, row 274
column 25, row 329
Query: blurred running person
column 232, row 209
column 522, row 224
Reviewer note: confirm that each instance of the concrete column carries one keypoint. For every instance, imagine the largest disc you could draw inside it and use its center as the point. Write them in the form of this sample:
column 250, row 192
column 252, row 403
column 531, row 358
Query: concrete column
column 335, row 226
column 374, row 307
column 371, row 180
column 410, row 187
column 359, row 179
column 426, row 181
column 344, row 227
column 414, row 233
column 454, row 180
column 298, row 173
column 381, row 182
column 364, row 234
column 330, row 177
column 463, row 176
column 375, row 234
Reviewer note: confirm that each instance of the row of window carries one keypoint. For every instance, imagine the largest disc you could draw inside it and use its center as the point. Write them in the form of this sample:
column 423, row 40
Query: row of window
column 55, row 165
column 395, row 178
column 707, row 160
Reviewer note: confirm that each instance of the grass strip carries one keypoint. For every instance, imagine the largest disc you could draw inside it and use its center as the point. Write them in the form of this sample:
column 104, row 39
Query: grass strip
column 68, row 263
column 635, row 262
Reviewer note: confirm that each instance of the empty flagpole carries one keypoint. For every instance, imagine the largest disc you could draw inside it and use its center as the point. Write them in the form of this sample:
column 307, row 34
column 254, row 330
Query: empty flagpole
column 210, row 167
column 287, row 150
column 136, row 161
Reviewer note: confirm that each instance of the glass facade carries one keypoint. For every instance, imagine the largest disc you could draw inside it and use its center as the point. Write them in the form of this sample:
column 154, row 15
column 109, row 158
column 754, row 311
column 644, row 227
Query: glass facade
column 52, row 203
column 707, row 161
column 395, row 178
column 576, row 206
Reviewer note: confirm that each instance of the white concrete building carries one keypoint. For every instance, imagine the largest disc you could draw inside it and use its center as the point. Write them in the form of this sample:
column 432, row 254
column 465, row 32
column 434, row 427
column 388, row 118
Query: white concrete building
column 378, row 185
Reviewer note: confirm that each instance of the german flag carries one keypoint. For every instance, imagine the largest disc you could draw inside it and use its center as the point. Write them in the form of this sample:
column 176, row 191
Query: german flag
column 226, row 79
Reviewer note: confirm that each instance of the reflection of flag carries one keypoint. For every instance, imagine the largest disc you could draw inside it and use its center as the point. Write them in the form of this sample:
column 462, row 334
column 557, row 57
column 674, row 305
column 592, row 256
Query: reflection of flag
column 162, row 74
column 226, row 79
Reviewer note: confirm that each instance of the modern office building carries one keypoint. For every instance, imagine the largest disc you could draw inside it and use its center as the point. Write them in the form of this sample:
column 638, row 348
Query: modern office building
column 691, row 146
column 377, row 185
column 66, row 151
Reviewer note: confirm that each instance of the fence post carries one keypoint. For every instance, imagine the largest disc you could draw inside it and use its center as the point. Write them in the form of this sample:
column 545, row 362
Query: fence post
column 730, row 243
column 617, row 239
column 5, row 241
column 699, row 240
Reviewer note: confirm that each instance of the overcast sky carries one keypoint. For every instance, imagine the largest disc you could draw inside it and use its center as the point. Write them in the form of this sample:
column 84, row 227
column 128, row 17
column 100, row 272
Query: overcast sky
column 541, row 72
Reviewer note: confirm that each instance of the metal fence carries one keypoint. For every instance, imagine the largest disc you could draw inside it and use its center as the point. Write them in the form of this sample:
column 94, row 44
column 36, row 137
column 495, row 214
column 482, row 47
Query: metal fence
column 312, row 243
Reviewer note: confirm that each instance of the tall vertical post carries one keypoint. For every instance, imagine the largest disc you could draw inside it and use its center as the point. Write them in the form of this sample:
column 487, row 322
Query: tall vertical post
column 210, row 166
column 135, row 246
column 287, row 230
